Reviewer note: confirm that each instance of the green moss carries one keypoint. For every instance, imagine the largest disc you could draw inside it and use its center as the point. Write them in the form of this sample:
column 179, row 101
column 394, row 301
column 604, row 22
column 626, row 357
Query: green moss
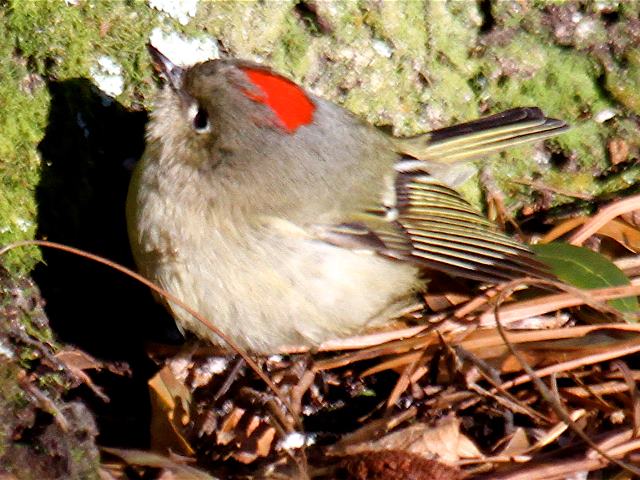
column 402, row 24
column 48, row 39
column 563, row 83
column 23, row 114
column 439, row 68
column 630, row 10
column 423, row 81
column 453, row 32
column 512, row 14
column 64, row 42
column 291, row 51
column 623, row 83
column 248, row 28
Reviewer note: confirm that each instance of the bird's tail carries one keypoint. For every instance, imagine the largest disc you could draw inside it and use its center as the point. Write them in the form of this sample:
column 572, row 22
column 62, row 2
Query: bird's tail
column 482, row 137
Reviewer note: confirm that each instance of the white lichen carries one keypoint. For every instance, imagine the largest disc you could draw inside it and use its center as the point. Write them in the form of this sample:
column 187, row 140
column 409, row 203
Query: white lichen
column 604, row 115
column 586, row 28
column 205, row 372
column 184, row 51
column 296, row 440
column 216, row 365
column 6, row 351
column 541, row 155
column 108, row 76
column 23, row 224
column 181, row 10
column 382, row 48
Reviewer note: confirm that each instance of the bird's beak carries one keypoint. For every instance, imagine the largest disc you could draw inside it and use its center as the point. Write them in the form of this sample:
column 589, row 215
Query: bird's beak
column 166, row 68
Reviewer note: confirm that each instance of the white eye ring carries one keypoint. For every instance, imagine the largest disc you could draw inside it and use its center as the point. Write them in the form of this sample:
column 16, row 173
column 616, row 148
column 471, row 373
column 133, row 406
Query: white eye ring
column 199, row 118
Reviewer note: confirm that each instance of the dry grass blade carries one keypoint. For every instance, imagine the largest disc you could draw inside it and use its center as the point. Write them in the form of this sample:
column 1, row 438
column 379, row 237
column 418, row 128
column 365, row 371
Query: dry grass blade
column 174, row 468
column 610, row 353
column 550, row 303
column 554, row 433
column 404, row 379
column 603, row 217
column 559, row 465
column 552, row 398
column 563, row 228
column 371, row 431
column 359, row 342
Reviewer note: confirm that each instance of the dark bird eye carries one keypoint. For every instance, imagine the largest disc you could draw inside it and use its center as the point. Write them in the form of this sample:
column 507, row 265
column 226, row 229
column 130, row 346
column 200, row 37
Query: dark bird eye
column 201, row 120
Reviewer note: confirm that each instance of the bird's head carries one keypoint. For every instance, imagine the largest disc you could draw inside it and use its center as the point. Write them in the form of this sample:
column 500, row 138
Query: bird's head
column 221, row 106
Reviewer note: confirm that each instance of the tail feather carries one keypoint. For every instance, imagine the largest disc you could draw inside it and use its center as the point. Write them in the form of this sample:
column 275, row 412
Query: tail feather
column 481, row 137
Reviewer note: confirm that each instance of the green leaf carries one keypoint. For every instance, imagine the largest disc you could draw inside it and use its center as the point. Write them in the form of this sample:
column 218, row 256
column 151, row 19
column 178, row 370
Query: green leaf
column 584, row 268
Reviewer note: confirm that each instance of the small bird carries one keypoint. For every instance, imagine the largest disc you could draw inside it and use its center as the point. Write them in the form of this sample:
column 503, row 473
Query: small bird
column 286, row 220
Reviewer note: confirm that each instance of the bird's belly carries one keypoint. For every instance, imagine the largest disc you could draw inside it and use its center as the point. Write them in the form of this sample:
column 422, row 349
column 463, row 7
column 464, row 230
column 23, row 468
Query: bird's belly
column 271, row 292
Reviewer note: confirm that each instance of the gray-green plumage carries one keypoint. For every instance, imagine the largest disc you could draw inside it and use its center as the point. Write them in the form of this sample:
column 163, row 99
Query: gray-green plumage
column 284, row 237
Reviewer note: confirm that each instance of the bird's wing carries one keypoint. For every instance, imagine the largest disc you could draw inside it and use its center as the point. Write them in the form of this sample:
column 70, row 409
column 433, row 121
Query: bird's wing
column 430, row 224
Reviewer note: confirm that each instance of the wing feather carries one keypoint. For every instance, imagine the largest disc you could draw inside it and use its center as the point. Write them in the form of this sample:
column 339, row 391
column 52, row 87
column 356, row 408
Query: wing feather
column 455, row 238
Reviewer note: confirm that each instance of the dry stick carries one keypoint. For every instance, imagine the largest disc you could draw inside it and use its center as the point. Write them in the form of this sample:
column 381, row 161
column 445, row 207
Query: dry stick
column 633, row 391
column 404, row 380
column 234, row 346
column 553, row 401
column 560, row 191
column 571, row 364
column 603, row 217
column 507, row 399
column 573, row 297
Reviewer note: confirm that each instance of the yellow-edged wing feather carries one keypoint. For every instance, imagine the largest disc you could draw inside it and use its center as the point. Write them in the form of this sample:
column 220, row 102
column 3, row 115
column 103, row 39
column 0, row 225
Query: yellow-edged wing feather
column 446, row 233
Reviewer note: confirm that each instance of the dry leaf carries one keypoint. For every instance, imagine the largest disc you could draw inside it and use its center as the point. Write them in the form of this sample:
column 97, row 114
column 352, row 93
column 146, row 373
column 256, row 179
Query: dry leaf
column 443, row 442
column 518, row 444
column 618, row 150
column 76, row 362
column 170, row 401
column 173, row 469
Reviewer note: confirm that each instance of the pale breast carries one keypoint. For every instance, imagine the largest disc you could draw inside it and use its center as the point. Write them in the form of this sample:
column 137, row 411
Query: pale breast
column 265, row 287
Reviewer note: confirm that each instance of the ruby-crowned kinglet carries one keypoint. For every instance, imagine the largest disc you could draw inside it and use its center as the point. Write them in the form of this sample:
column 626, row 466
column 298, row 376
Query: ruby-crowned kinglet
column 286, row 220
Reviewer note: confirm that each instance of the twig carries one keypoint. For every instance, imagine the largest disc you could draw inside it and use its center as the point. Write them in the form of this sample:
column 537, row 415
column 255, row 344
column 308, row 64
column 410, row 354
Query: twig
column 605, row 215
column 559, row 191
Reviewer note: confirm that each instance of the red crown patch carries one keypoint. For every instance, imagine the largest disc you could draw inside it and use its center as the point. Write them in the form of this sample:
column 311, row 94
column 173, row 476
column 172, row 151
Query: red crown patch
column 287, row 100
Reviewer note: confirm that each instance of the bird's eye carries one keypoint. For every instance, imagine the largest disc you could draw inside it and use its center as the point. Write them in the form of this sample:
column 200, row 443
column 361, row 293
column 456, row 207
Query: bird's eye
column 199, row 118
